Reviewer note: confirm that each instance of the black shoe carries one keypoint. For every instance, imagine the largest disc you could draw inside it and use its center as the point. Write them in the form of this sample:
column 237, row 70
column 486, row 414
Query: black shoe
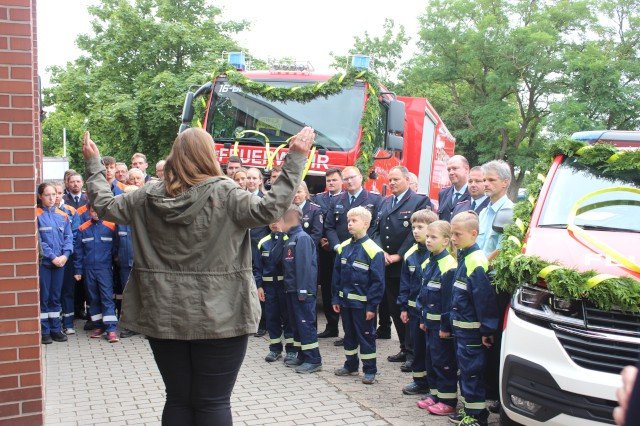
column 46, row 339
column 383, row 333
column 328, row 333
column 88, row 326
column 414, row 389
column 261, row 332
column 81, row 315
column 57, row 336
column 494, row 407
column 399, row 357
column 407, row 366
column 339, row 342
column 127, row 333
column 457, row 417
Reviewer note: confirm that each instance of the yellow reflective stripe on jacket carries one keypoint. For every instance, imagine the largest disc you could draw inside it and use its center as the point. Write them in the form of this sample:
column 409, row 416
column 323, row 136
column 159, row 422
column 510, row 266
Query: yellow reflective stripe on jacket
column 371, row 248
column 296, row 343
column 343, row 245
column 340, row 293
column 447, row 263
column 267, row 279
column 411, row 303
column 425, row 263
column 409, row 252
column 467, row 325
column 475, row 259
column 289, row 340
column 349, row 352
column 353, row 296
column 309, row 346
column 368, row 356
column 434, row 317
column 264, row 240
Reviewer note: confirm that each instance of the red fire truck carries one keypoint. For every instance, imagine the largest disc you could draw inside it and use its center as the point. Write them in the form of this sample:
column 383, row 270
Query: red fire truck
column 410, row 132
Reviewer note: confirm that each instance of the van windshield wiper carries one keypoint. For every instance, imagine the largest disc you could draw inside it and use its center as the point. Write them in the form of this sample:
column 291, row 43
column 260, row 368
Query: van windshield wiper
column 554, row 225
column 607, row 228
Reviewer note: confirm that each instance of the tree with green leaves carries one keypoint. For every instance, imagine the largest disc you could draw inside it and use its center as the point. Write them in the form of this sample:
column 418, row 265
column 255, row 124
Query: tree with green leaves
column 129, row 86
column 386, row 51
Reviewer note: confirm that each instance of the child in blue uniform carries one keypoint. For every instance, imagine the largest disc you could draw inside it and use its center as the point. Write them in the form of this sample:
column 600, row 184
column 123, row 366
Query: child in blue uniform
column 267, row 272
column 56, row 242
column 357, row 289
column 474, row 318
column 410, row 283
column 434, row 303
column 300, row 269
column 94, row 256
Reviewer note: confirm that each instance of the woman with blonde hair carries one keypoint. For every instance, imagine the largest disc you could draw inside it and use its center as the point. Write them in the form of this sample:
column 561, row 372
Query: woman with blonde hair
column 191, row 288
column 240, row 177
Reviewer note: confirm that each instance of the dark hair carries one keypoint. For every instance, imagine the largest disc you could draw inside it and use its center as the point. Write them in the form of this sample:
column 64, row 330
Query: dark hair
column 234, row 159
column 41, row 189
column 333, row 171
column 108, row 161
column 74, row 174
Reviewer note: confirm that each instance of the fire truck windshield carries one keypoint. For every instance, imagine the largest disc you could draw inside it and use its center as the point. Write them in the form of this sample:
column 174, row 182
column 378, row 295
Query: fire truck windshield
column 336, row 118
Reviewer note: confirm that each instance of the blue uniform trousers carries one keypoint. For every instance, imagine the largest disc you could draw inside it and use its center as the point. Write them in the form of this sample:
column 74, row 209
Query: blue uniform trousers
column 277, row 317
column 418, row 338
column 444, row 379
column 68, row 297
column 102, row 308
column 471, row 357
column 303, row 322
column 50, row 290
column 359, row 332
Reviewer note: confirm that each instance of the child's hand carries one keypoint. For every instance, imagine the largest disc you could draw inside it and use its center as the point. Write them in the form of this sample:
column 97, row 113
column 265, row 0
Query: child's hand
column 336, row 309
column 444, row 334
column 370, row 315
column 77, row 277
column 423, row 327
column 261, row 294
column 487, row 341
column 404, row 317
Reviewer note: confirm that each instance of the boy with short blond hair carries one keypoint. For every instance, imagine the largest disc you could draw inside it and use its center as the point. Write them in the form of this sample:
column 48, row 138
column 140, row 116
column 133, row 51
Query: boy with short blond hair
column 474, row 317
column 357, row 289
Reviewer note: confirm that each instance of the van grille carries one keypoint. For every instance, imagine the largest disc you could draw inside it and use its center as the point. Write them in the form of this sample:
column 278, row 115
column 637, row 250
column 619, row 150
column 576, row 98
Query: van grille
column 613, row 321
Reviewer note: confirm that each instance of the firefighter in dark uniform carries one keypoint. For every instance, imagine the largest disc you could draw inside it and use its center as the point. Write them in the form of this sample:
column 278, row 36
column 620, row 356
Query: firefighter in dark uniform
column 326, row 255
column 393, row 234
column 256, row 235
column 311, row 213
column 336, row 220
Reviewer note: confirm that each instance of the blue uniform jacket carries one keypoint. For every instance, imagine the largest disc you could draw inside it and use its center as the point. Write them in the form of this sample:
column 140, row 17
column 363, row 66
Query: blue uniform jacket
column 434, row 300
column 445, row 202
column 73, row 217
column 267, row 266
column 117, row 187
column 474, row 309
column 312, row 221
column 411, row 276
column 124, row 246
column 358, row 275
column 299, row 262
column 324, row 200
column 94, row 246
column 56, row 238
column 335, row 222
column 83, row 213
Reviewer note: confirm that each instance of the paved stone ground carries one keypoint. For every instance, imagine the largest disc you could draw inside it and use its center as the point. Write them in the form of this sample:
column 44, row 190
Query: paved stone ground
column 91, row 382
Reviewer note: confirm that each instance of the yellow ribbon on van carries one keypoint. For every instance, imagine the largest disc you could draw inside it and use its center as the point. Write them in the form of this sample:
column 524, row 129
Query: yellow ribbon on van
column 241, row 134
column 606, row 249
column 309, row 161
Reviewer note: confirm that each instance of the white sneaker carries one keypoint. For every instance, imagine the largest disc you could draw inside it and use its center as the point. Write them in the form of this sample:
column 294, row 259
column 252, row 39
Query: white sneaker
column 68, row 331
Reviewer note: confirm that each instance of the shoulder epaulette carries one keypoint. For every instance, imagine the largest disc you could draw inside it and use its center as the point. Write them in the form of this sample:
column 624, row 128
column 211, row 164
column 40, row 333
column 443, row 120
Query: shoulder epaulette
column 85, row 225
column 409, row 252
column 82, row 209
column 60, row 212
column 70, row 208
column 109, row 225
column 264, row 240
column 371, row 248
column 447, row 263
column 39, row 211
column 475, row 259
column 314, row 204
column 343, row 245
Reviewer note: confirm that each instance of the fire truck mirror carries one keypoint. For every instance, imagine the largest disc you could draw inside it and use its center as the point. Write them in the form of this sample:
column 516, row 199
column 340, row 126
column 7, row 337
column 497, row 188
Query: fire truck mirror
column 187, row 109
column 394, row 142
column 395, row 117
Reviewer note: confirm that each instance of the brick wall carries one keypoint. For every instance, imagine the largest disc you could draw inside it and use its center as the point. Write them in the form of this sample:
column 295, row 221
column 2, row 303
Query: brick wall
column 21, row 380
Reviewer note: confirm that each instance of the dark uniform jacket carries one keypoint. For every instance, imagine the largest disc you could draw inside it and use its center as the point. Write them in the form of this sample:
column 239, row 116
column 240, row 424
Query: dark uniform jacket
column 324, row 200
column 358, row 275
column 258, row 233
column 299, row 263
column 465, row 205
column 474, row 309
column 445, row 202
column 434, row 299
column 266, row 267
column 124, row 246
column 68, row 199
column 95, row 246
column 312, row 221
column 411, row 276
column 336, row 219
column 393, row 228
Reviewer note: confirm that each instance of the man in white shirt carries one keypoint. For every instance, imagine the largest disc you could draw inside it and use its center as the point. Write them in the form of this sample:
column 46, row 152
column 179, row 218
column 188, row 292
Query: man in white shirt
column 497, row 178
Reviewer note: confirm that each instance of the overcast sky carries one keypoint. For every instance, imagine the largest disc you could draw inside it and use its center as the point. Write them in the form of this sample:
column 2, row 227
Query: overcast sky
column 292, row 28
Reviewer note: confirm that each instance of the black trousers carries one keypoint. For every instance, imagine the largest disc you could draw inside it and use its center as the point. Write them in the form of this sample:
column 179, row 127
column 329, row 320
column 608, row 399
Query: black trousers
column 325, row 276
column 391, row 292
column 199, row 376
column 492, row 370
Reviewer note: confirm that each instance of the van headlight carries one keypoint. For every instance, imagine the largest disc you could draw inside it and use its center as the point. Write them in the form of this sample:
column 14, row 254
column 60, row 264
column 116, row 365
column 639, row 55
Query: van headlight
column 540, row 303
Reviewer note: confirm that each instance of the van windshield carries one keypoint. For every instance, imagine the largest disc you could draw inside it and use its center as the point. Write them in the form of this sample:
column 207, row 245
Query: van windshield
column 613, row 211
column 336, row 118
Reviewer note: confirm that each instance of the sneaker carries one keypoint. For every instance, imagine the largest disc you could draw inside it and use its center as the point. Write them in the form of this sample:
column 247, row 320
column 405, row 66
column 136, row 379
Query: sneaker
column 427, row 402
column 414, row 389
column 88, row 326
column 112, row 337
column 273, row 356
column 457, row 417
column 46, row 339
column 290, row 356
column 98, row 332
column 69, row 331
column 339, row 342
column 407, row 366
column 307, row 368
column 441, row 409
column 342, row 371
column 293, row 362
column 369, row 379
column 494, row 407
column 472, row 421
column 58, row 336
column 126, row 333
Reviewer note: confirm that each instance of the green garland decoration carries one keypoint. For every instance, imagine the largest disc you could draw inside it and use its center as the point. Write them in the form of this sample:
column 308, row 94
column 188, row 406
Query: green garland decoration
column 309, row 92
column 514, row 269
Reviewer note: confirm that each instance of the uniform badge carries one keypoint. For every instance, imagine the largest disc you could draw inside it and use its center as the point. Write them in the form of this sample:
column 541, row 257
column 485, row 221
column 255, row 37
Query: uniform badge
column 306, row 224
column 406, row 224
column 321, row 219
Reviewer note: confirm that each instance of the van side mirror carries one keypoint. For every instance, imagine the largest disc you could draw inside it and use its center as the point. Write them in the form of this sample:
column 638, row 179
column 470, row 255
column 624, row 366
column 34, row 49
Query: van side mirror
column 395, row 125
column 503, row 218
column 188, row 110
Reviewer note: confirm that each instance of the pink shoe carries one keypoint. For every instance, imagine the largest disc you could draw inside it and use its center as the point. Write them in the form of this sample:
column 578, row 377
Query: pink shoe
column 441, row 409
column 426, row 403
column 97, row 333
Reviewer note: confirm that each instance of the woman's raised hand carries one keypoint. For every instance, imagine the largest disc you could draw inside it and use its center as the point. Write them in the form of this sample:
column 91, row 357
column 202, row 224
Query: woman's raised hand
column 303, row 141
column 89, row 148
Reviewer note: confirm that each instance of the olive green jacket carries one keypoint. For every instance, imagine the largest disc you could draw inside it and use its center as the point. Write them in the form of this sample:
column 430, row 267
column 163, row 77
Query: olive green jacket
column 192, row 275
